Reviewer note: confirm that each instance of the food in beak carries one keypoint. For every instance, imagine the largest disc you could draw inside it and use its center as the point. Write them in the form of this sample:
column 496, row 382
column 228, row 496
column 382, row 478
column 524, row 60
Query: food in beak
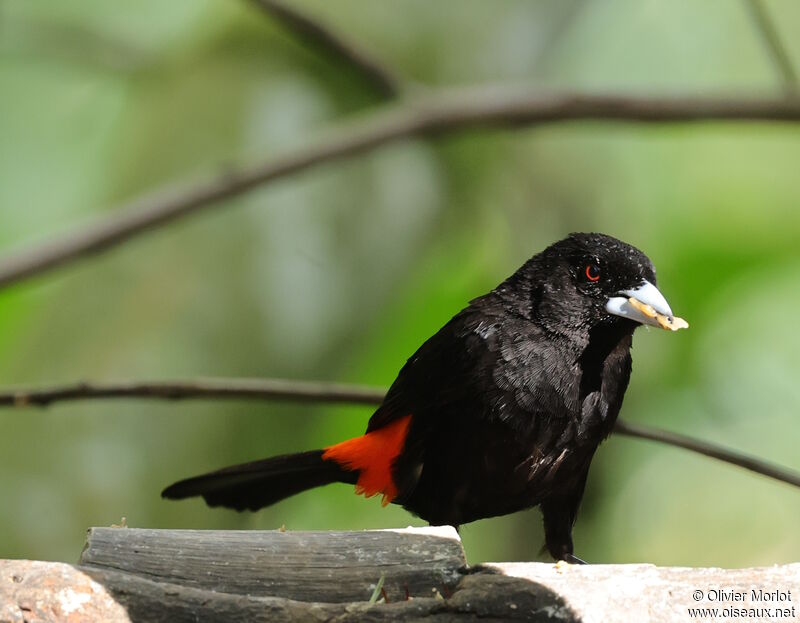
column 673, row 323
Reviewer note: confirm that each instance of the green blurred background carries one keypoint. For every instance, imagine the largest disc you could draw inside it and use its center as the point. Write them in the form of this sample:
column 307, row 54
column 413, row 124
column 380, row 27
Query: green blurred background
column 341, row 273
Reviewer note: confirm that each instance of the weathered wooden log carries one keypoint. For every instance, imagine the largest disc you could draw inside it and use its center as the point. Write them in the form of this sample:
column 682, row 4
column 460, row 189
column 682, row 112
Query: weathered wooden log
column 61, row 593
column 213, row 578
column 302, row 566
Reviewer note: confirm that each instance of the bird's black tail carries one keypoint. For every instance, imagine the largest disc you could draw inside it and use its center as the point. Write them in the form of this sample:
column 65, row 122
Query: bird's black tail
column 258, row 484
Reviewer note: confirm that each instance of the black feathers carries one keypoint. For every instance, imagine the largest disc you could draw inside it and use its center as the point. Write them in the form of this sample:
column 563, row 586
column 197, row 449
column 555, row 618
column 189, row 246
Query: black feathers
column 508, row 401
column 251, row 486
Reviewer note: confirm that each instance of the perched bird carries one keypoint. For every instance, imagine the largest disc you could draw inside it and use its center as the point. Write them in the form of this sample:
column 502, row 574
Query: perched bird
column 501, row 410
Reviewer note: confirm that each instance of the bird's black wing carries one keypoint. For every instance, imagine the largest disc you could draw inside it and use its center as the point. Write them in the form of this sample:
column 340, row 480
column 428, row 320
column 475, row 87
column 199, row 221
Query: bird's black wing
column 488, row 386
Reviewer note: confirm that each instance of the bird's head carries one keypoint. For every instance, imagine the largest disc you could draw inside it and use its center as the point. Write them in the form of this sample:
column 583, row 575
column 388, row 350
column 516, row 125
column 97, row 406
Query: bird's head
column 592, row 280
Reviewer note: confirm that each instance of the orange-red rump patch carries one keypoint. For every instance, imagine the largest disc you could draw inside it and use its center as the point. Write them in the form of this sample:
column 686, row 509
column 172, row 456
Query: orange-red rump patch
column 372, row 455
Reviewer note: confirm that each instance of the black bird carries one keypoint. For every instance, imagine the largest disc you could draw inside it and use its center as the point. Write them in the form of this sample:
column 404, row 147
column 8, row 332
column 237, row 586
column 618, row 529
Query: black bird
column 501, row 410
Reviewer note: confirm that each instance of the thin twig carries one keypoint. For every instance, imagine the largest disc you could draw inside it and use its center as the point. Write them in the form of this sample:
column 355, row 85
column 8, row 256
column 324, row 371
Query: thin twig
column 250, row 389
column 321, row 36
column 777, row 51
column 314, row 391
column 709, row 449
column 447, row 112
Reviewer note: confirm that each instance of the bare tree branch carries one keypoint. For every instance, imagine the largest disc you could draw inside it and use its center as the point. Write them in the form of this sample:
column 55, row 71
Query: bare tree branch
column 250, row 389
column 323, row 37
column 778, row 53
column 447, row 112
column 315, row 391
column 709, row 449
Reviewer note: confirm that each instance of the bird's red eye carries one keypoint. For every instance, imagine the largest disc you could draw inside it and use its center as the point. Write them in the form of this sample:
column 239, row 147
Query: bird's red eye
column 593, row 272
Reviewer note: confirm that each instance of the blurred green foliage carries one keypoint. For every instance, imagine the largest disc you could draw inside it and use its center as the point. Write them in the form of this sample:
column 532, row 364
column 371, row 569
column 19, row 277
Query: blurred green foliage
column 342, row 272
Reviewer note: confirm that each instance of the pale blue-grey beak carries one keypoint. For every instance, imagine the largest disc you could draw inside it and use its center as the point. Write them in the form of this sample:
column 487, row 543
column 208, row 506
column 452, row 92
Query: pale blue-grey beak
column 649, row 297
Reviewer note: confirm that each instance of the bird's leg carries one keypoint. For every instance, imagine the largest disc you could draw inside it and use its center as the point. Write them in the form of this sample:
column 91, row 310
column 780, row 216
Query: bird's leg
column 559, row 513
column 557, row 529
column 558, row 535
